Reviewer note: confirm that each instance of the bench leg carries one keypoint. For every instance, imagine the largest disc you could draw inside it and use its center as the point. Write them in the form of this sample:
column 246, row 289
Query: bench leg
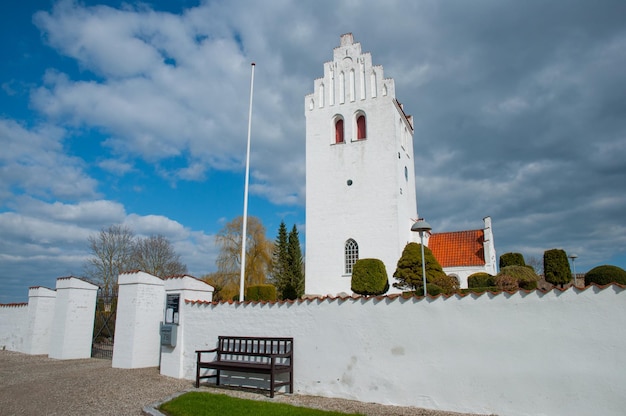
column 197, row 375
column 272, row 382
column 217, row 379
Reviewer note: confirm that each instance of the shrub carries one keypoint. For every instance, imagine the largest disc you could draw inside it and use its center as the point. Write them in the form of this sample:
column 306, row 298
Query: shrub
column 525, row 276
column 369, row 277
column 603, row 275
column 480, row 289
column 409, row 269
column 431, row 288
column 480, row 279
column 447, row 284
column 506, row 282
column 261, row 292
column 511, row 259
column 556, row 267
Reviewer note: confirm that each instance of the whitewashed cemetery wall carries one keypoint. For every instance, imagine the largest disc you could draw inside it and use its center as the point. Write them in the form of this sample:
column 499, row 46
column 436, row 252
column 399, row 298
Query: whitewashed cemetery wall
column 13, row 324
column 54, row 322
column 555, row 353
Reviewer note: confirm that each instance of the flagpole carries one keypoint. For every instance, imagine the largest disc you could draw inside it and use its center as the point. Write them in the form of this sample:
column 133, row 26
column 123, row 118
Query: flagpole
column 245, row 197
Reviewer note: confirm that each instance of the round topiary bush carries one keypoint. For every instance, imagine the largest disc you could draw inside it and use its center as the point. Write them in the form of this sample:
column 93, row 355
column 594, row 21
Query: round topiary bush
column 480, row 279
column 603, row 275
column 369, row 277
column 512, row 259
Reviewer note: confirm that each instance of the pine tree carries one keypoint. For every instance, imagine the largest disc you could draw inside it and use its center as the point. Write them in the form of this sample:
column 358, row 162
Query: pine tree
column 280, row 269
column 295, row 287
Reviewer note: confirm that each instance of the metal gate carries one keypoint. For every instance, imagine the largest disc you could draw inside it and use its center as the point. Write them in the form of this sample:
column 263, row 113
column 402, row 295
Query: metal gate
column 104, row 326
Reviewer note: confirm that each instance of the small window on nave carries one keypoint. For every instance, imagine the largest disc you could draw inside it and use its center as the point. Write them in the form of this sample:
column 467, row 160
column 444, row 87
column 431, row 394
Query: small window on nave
column 351, row 254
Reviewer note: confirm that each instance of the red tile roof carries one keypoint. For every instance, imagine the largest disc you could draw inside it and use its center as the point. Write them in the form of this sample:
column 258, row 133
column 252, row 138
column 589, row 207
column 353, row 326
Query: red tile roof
column 459, row 248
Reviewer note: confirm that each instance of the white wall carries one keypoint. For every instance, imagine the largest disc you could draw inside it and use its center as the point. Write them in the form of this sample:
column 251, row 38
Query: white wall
column 13, row 324
column 559, row 353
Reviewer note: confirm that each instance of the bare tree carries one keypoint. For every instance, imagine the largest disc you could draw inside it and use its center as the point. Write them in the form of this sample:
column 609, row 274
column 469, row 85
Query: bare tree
column 536, row 263
column 112, row 250
column 156, row 255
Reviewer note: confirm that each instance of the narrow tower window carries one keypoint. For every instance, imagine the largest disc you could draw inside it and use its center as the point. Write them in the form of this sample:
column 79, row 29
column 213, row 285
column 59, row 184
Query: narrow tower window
column 339, row 130
column 351, row 254
column 342, row 88
column 361, row 132
column 352, row 85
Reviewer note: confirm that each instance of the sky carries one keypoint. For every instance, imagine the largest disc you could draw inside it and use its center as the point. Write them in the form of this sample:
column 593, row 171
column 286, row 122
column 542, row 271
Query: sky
column 136, row 113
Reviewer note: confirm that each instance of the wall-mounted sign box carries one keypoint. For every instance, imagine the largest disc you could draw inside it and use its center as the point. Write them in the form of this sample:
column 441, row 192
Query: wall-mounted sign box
column 168, row 335
column 172, row 305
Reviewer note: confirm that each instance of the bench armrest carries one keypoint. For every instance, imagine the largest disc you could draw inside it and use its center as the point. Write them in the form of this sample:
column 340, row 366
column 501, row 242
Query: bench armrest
column 200, row 352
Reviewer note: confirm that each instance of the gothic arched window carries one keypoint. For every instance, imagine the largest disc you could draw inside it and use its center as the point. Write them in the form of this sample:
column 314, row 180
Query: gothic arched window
column 339, row 130
column 361, row 132
column 351, row 254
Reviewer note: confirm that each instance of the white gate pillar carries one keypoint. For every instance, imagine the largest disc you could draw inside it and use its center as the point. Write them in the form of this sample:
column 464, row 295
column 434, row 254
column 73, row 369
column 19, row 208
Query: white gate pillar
column 141, row 297
column 181, row 288
column 41, row 304
column 72, row 325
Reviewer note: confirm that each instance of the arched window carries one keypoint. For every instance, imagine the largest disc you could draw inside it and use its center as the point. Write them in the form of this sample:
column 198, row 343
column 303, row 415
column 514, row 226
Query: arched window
column 351, row 254
column 361, row 132
column 339, row 130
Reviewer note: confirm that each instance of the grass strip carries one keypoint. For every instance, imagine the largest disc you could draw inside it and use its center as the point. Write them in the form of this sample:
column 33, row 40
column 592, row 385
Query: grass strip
column 210, row 404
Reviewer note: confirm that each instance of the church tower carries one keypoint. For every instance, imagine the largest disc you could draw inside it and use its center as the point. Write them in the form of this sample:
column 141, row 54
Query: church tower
column 360, row 180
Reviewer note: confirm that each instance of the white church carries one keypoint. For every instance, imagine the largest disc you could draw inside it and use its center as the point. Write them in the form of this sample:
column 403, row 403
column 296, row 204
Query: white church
column 360, row 180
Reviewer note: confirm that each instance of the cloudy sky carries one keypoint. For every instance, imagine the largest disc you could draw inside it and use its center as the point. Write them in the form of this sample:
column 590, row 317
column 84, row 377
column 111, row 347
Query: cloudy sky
column 136, row 113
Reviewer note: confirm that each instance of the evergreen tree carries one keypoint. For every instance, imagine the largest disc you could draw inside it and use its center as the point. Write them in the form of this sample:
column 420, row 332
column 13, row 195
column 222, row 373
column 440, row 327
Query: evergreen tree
column 287, row 274
column 295, row 287
column 556, row 267
column 409, row 269
column 280, row 260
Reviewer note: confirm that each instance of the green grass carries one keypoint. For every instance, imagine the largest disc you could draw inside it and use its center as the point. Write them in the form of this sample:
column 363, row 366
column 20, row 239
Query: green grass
column 209, row 404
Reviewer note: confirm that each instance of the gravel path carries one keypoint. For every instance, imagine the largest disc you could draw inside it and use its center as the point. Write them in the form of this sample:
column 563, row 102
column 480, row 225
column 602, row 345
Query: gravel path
column 38, row 385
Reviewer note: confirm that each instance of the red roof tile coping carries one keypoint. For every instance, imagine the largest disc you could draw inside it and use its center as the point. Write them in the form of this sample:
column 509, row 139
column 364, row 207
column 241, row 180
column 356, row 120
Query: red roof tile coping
column 458, row 248
column 401, row 296
column 13, row 305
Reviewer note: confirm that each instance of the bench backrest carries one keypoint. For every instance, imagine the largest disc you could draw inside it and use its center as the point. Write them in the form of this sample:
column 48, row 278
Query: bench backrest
column 242, row 348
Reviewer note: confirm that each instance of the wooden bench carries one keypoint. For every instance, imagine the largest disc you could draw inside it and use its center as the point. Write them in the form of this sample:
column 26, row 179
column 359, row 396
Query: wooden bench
column 259, row 355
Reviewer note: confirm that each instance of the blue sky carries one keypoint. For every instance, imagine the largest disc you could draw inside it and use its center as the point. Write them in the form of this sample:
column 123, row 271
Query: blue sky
column 136, row 113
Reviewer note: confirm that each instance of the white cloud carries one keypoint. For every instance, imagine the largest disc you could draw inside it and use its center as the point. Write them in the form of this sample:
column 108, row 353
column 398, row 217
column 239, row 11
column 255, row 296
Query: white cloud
column 33, row 160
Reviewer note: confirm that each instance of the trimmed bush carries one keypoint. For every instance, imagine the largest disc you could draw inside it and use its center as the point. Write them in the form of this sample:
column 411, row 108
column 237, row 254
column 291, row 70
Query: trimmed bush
column 603, row 275
column 480, row 289
column 480, row 279
column 409, row 269
column 432, row 290
column 369, row 277
column 556, row 267
column 512, row 259
column 506, row 282
column 261, row 292
column 525, row 276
